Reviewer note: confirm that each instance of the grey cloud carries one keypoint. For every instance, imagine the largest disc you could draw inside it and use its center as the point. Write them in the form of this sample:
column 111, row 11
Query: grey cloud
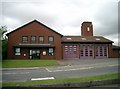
column 107, row 18
column 26, row 12
column 62, row 15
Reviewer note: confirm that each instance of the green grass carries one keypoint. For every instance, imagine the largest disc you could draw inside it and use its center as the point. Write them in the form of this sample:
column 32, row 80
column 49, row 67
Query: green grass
column 65, row 80
column 27, row 63
column 0, row 64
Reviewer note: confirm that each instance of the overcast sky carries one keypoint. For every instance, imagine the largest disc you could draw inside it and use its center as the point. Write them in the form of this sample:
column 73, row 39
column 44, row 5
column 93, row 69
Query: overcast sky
column 64, row 16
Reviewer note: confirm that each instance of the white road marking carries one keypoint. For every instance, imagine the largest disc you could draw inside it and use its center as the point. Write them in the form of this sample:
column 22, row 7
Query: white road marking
column 47, row 78
column 9, row 73
column 48, row 70
column 69, row 69
column 20, row 68
column 24, row 73
column 114, row 65
column 15, row 73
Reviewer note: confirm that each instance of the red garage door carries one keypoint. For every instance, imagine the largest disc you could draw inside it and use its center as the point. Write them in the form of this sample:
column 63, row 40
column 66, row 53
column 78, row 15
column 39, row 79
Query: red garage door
column 70, row 51
column 101, row 51
column 86, row 51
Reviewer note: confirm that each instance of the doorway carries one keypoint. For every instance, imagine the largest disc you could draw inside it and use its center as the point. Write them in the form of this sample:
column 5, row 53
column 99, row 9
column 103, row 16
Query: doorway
column 34, row 54
column 70, row 51
column 101, row 51
column 86, row 51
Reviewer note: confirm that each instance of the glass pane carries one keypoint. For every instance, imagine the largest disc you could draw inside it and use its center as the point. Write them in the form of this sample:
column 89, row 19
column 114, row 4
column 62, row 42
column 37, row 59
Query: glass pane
column 17, row 53
column 50, row 49
column 41, row 38
column 30, row 52
column 24, row 39
column 38, row 51
column 66, row 46
column 17, row 50
column 33, row 38
column 50, row 39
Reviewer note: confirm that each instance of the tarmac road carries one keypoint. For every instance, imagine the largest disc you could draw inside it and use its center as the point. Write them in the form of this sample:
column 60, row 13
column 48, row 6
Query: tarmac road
column 67, row 71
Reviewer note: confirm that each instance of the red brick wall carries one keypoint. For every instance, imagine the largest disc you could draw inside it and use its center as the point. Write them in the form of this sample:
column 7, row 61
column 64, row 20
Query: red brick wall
column 23, row 51
column 116, row 54
column 110, row 51
column 33, row 29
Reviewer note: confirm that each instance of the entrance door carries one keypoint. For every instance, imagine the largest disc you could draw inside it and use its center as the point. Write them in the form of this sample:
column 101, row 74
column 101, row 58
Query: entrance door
column 86, row 51
column 101, row 51
column 70, row 51
column 34, row 54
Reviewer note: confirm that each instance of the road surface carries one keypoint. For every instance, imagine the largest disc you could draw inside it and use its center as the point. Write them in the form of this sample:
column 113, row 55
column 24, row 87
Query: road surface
column 55, row 72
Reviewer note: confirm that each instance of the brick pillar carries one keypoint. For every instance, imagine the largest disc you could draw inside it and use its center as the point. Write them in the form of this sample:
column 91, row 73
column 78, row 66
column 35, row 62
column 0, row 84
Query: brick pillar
column 94, row 51
column 110, row 51
column 78, row 51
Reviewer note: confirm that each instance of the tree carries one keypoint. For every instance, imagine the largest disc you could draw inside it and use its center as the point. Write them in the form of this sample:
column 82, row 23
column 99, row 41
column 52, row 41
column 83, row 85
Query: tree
column 3, row 39
column 3, row 30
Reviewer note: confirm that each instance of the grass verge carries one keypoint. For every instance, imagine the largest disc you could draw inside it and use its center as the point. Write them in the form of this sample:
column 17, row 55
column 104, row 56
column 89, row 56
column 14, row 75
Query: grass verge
column 65, row 80
column 27, row 63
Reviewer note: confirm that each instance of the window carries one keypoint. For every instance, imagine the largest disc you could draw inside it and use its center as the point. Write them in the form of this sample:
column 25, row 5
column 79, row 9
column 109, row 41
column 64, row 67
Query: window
column 70, row 46
column 30, row 52
column 25, row 39
column 97, row 38
column 75, row 51
column 66, row 51
column 33, row 39
column 75, row 46
column 41, row 39
column 66, row 46
column 51, row 52
column 88, row 29
column 105, row 51
column 81, row 53
column 17, row 51
column 50, row 39
column 69, row 38
column 83, row 38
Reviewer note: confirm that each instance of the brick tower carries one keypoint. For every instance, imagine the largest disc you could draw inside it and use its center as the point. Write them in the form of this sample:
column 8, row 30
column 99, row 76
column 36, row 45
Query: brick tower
column 87, row 29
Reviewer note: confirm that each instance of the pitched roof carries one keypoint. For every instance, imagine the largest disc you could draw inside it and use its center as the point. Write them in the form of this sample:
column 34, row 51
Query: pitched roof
column 115, row 47
column 30, row 23
column 85, row 39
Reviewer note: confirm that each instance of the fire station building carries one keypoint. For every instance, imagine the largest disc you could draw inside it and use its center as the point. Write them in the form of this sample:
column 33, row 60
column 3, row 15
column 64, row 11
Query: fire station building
column 35, row 40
